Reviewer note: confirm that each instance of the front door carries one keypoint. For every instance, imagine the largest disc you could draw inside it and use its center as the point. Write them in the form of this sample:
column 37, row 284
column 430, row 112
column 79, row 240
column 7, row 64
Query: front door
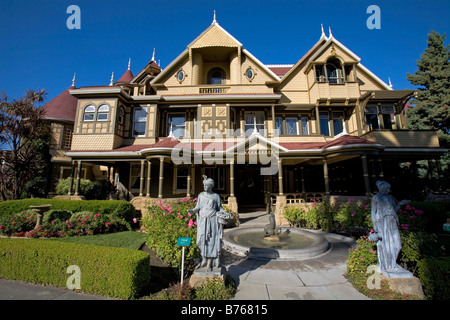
column 249, row 185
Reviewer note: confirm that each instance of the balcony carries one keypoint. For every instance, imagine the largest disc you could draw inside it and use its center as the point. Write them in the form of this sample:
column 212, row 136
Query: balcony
column 404, row 138
column 214, row 90
column 341, row 91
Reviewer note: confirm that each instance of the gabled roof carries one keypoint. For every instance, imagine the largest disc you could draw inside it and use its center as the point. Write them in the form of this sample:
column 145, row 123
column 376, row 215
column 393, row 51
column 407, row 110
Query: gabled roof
column 63, row 106
column 213, row 36
column 126, row 78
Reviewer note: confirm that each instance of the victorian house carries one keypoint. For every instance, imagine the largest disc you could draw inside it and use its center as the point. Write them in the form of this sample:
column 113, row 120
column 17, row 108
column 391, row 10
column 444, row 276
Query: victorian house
column 324, row 126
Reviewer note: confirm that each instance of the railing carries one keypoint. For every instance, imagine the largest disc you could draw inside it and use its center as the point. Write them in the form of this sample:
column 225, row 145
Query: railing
column 294, row 198
column 214, row 90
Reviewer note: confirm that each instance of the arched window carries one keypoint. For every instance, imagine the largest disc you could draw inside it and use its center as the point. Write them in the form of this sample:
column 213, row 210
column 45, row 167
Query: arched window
column 216, row 76
column 102, row 113
column 89, row 113
column 334, row 71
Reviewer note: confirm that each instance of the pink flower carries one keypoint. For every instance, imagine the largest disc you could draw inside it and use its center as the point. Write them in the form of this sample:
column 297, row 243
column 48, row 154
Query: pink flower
column 366, row 207
column 418, row 212
column 69, row 226
column 107, row 224
column 191, row 223
column 350, row 200
column 353, row 214
column 52, row 222
column 1, row 227
column 408, row 207
column 404, row 226
column 195, row 199
column 134, row 220
column 67, row 221
column 151, row 214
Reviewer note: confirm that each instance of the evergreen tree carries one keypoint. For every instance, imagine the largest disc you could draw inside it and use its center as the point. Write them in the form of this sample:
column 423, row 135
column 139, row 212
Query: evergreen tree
column 432, row 104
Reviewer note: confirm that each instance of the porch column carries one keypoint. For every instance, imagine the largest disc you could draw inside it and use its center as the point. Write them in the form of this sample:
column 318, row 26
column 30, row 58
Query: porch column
column 232, row 179
column 149, row 177
column 317, row 120
column 303, row 179
column 141, row 182
column 280, row 177
column 77, row 186
column 72, row 173
column 373, row 175
column 188, row 187
column 161, row 177
column 325, row 175
column 365, row 173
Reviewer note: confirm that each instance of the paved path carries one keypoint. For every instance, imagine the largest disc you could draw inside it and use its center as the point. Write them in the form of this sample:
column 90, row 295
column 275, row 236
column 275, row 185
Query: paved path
column 318, row 278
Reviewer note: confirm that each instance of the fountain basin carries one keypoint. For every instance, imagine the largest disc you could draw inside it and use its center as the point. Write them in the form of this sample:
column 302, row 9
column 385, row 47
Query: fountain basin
column 294, row 243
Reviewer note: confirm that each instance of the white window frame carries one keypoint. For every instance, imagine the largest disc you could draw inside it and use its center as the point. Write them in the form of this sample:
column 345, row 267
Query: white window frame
column 101, row 111
column 86, row 112
column 135, row 121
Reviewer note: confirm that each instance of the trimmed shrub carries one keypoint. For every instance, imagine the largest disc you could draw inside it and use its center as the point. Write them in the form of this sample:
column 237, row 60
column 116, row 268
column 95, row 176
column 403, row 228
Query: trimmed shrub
column 434, row 274
column 115, row 272
column 119, row 208
column 216, row 289
column 295, row 214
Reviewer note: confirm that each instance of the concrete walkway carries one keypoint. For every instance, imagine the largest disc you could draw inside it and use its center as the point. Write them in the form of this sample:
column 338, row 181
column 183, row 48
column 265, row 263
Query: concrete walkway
column 318, row 278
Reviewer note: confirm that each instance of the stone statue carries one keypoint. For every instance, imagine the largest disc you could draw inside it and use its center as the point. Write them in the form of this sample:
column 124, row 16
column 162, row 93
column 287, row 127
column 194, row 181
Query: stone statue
column 210, row 220
column 271, row 231
column 386, row 233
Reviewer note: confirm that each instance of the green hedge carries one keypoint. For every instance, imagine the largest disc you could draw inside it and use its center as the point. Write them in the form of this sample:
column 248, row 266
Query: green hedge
column 119, row 208
column 115, row 272
column 434, row 274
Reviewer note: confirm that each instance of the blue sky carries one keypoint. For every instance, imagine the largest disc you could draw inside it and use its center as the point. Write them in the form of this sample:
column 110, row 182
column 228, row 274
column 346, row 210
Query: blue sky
column 39, row 51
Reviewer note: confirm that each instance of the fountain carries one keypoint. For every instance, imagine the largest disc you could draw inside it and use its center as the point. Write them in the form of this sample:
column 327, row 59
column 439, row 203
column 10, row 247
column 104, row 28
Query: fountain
column 275, row 242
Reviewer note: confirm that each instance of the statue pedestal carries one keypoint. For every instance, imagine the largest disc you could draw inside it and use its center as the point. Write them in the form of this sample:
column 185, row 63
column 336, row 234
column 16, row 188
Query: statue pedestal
column 398, row 273
column 202, row 275
column 407, row 285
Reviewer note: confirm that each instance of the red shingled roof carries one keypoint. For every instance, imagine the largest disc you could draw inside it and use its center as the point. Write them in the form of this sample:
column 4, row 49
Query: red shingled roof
column 127, row 77
column 63, row 106
column 279, row 71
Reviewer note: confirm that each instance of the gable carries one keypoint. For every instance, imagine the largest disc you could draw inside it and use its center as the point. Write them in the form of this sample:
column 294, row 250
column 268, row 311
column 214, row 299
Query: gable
column 214, row 36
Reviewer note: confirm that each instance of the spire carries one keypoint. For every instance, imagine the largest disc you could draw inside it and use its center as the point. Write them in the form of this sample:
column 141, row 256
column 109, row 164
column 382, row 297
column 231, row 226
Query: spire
column 390, row 83
column 214, row 19
column 153, row 56
column 330, row 35
column 112, row 79
column 323, row 32
column 73, row 80
column 129, row 63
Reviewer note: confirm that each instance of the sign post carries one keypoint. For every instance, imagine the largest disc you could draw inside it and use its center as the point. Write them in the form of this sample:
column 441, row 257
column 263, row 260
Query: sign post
column 183, row 242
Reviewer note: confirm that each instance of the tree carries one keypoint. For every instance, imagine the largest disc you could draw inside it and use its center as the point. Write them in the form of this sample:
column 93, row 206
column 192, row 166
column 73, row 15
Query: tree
column 22, row 131
column 432, row 109
column 432, row 104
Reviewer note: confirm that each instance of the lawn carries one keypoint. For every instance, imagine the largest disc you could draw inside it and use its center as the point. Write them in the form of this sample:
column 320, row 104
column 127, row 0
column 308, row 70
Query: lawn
column 126, row 239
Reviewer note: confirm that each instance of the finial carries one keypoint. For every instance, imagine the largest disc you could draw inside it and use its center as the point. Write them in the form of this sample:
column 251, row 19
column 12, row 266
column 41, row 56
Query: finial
column 129, row 63
column 112, row 79
column 153, row 56
column 331, row 35
column 255, row 129
column 323, row 32
column 73, row 80
column 214, row 19
column 390, row 83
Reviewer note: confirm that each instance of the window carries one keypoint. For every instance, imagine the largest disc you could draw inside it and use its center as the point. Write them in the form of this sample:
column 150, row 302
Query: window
column 324, row 123
column 338, row 122
column 178, row 124
column 139, row 121
column 216, row 76
column 252, row 118
column 334, row 71
column 180, row 76
column 372, row 117
column 250, row 74
column 305, row 128
column 102, row 113
column 292, row 126
column 279, row 125
column 181, row 178
column 388, row 114
column 218, row 175
column 320, row 73
column 121, row 117
column 135, row 176
column 89, row 113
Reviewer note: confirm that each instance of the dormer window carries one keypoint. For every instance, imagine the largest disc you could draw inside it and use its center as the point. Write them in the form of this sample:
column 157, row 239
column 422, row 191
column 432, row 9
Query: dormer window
column 102, row 113
column 89, row 113
column 216, row 76
column 334, row 71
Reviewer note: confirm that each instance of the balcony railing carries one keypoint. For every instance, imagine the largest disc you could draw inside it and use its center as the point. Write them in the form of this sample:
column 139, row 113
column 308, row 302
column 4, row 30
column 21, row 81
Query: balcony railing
column 214, row 90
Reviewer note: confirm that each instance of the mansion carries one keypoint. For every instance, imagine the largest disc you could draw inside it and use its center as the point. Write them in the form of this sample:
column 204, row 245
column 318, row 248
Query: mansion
column 323, row 126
